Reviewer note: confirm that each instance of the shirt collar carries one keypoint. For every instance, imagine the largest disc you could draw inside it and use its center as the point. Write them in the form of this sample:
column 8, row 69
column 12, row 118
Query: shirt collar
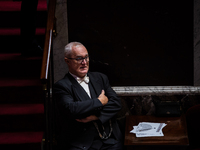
column 79, row 80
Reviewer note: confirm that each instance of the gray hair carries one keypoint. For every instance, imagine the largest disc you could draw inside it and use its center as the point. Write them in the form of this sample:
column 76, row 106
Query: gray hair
column 69, row 46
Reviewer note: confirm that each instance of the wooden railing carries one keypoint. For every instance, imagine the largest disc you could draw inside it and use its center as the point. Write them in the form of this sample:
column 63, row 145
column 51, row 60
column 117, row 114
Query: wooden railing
column 50, row 29
column 47, row 77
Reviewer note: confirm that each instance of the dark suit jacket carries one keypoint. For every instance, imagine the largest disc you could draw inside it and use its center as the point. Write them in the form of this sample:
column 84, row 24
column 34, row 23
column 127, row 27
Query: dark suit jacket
column 72, row 102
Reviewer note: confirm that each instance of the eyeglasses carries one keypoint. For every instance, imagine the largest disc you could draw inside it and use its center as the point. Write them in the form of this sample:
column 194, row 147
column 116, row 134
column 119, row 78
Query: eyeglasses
column 81, row 59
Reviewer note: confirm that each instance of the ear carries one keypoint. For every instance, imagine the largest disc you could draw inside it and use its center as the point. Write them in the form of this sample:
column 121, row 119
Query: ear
column 66, row 60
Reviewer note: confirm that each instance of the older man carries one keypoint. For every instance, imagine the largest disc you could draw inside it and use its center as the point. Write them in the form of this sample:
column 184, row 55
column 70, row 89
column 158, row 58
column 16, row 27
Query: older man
column 87, row 106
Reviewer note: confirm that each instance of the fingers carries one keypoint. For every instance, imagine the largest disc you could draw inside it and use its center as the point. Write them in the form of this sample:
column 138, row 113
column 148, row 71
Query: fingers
column 103, row 98
column 103, row 92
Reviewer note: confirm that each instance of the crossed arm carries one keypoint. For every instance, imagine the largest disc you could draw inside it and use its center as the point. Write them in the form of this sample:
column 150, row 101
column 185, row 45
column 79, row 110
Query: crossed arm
column 102, row 108
column 104, row 100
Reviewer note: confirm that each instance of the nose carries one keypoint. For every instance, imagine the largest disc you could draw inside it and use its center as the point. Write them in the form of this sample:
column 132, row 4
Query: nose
column 84, row 61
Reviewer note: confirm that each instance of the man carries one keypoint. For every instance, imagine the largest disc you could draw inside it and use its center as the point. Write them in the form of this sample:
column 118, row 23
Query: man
column 87, row 106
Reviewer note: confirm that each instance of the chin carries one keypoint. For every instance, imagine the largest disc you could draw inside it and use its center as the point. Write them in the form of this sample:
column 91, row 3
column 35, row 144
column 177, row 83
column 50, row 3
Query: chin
column 83, row 73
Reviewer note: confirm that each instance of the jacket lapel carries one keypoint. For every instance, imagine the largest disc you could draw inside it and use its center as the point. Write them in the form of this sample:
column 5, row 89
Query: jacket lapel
column 95, row 83
column 80, row 93
column 77, row 89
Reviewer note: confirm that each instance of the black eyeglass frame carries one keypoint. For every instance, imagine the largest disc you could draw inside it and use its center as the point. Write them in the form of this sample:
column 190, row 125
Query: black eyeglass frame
column 80, row 59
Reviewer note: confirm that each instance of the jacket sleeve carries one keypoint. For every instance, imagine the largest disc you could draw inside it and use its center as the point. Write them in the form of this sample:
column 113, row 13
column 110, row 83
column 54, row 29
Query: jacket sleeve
column 68, row 105
column 114, row 103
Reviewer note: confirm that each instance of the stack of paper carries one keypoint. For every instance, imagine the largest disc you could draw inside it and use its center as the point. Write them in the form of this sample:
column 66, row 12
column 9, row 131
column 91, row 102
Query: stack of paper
column 147, row 129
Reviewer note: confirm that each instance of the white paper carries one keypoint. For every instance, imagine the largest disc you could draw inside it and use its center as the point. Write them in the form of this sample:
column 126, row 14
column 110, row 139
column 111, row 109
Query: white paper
column 148, row 129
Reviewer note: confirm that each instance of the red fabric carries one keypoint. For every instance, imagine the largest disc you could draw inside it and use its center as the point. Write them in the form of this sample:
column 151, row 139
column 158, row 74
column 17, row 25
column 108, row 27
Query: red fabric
column 16, row 56
column 16, row 5
column 12, row 135
column 10, row 82
column 16, row 31
column 21, row 137
column 21, row 109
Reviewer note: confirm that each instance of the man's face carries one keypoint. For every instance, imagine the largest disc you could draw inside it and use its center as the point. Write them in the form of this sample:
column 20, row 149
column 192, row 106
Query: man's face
column 78, row 67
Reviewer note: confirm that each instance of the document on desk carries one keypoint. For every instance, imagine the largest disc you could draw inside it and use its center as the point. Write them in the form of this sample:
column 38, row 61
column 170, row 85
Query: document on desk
column 148, row 129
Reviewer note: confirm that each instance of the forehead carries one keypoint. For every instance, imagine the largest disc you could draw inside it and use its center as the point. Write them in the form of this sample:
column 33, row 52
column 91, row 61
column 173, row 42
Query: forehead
column 79, row 50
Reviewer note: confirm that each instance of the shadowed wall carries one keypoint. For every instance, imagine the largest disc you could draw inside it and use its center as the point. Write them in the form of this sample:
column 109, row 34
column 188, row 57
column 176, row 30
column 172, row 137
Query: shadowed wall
column 136, row 42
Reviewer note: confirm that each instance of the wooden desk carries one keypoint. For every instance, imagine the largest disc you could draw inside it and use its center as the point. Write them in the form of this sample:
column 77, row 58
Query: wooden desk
column 175, row 134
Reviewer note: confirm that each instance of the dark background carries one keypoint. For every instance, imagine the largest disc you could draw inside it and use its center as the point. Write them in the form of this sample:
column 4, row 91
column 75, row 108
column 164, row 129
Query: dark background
column 136, row 42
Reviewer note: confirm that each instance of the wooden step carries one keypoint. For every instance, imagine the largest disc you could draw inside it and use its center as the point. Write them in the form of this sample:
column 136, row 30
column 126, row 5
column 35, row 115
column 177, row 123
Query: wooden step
column 16, row 6
column 21, row 123
column 26, row 146
column 13, row 44
column 15, row 65
column 21, row 91
column 10, row 14
column 6, row 22
column 22, row 96
column 21, row 109
column 20, row 137
column 21, row 140
column 16, row 31
column 21, row 117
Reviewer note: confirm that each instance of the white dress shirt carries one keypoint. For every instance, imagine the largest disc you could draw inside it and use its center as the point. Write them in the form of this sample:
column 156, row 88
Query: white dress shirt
column 82, row 83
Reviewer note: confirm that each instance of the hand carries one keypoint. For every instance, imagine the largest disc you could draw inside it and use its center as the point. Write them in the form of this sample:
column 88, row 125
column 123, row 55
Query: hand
column 103, row 99
column 88, row 119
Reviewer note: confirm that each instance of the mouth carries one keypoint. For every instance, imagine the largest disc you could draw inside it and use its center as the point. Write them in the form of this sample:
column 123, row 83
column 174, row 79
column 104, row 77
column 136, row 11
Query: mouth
column 83, row 67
